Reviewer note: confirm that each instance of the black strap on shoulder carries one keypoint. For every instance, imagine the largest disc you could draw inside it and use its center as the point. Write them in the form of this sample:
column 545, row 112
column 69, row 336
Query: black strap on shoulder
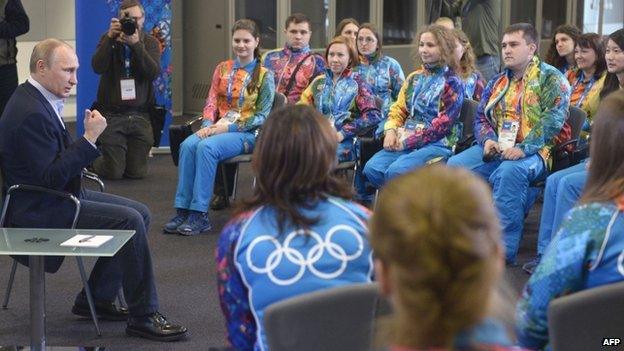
column 293, row 76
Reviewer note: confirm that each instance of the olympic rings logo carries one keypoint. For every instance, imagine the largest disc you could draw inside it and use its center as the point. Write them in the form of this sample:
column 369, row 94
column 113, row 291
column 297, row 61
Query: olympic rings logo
column 285, row 251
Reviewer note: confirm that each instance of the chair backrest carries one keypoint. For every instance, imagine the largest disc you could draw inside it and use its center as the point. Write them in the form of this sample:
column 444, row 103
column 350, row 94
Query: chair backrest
column 583, row 320
column 279, row 101
column 2, row 193
column 576, row 120
column 332, row 319
column 467, row 117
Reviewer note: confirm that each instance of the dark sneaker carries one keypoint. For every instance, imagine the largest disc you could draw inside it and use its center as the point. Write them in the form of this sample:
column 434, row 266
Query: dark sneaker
column 530, row 266
column 106, row 310
column 171, row 227
column 155, row 327
column 196, row 223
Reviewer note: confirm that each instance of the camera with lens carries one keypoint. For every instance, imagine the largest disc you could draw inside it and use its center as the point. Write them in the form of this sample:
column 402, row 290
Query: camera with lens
column 128, row 24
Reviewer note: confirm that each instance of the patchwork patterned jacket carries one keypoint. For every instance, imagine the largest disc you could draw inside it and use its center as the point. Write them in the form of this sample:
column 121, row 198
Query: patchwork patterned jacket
column 586, row 252
column 385, row 75
column 349, row 102
column 282, row 62
column 228, row 91
column 543, row 109
column 585, row 93
column 431, row 99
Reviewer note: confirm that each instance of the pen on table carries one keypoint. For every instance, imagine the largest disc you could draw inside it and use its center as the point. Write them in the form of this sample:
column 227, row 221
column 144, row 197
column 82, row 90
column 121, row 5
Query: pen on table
column 84, row 240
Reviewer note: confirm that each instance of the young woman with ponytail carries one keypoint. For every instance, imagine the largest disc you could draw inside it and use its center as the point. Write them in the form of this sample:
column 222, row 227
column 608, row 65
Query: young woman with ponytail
column 240, row 98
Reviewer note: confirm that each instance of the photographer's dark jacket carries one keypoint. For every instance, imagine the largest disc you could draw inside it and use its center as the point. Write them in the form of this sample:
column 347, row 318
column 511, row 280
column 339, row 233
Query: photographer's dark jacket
column 14, row 22
column 108, row 62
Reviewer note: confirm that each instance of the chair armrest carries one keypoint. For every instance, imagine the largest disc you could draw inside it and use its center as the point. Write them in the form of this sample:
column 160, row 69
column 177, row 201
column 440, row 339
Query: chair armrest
column 195, row 120
column 40, row 189
column 93, row 177
column 563, row 146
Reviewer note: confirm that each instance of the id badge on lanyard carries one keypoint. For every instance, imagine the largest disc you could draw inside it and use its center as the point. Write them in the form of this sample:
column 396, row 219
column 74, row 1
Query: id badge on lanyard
column 127, row 85
column 411, row 127
column 508, row 134
column 586, row 90
column 233, row 115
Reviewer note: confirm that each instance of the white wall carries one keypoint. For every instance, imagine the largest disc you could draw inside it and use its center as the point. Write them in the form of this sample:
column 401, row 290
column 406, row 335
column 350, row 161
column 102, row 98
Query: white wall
column 48, row 19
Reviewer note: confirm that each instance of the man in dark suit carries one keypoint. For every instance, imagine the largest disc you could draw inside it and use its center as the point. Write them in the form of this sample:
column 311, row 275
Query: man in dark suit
column 35, row 148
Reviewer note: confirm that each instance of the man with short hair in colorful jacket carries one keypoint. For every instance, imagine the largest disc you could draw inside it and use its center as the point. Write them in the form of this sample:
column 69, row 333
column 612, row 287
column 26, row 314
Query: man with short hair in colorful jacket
column 521, row 116
column 294, row 66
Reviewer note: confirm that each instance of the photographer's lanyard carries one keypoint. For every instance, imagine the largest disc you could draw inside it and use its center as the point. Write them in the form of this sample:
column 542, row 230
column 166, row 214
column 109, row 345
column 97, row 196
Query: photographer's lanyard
column 127, row 84
column 127, row 57
column 230, row 86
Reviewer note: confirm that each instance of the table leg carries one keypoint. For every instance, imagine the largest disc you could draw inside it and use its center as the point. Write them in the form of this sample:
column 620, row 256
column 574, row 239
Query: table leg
column 37, row 303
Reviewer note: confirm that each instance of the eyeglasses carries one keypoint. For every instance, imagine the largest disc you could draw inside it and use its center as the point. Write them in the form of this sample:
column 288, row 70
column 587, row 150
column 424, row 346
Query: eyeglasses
column 369, row 40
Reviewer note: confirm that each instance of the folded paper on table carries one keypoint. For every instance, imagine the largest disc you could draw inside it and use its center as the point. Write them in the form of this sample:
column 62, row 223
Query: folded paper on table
column 82, row 240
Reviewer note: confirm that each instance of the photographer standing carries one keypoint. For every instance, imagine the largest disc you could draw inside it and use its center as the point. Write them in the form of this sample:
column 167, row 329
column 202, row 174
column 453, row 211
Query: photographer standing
column 128, row 61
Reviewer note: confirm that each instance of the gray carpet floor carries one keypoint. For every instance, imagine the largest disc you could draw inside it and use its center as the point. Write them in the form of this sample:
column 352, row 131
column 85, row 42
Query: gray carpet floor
column 185, row 275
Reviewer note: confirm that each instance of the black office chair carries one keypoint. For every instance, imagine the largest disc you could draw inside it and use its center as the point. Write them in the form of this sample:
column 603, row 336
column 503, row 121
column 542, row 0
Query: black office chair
column 4, row 220
column 467, row 117
column 564, row 153
column 340, row 318
column 585, row 319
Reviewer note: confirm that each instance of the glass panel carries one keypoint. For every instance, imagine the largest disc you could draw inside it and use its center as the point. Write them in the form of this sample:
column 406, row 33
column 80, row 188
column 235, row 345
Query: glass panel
column 553, row 15
column 13, row 242
column 523, row 11
column 318, row 17
column 264, row 13
column 399, row 22
column 358, row 9
column 613, row 16
column 590, row 16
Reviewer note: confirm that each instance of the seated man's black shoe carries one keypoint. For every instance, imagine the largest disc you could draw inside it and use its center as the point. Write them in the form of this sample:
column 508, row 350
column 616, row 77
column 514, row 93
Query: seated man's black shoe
column 155, row 327
column 106, row 310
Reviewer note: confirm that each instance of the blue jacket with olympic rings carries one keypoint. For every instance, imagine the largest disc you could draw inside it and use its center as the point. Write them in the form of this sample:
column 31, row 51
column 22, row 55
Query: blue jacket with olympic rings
column 257, row 265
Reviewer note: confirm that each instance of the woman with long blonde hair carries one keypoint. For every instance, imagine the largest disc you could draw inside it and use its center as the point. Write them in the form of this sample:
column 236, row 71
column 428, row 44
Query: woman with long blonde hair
column 423, row 124
column 439, row 258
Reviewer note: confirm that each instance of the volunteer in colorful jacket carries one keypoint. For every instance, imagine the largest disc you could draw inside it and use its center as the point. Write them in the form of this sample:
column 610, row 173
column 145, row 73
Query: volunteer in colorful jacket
column 588, row 250
column 343, row 97
column 521, row 116
column 298, row 232
column 561, row 50
column 383, row 73
column 240, row 98
column 467, row 71
column 294, row 66
column 564, row 187
column 423, row 123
